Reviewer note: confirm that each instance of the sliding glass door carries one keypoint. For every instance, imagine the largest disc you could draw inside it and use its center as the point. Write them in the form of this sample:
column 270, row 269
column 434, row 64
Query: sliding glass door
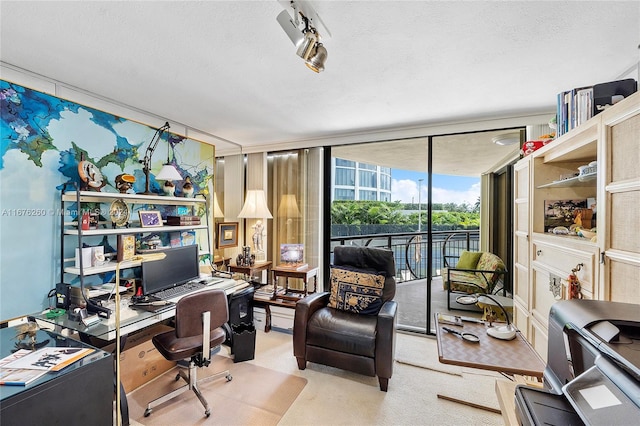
column 439, row 203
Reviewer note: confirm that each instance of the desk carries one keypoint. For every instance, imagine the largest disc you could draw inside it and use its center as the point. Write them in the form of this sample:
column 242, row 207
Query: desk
column 131, row 320
column 508, row 356
column 303, row 274
column 250, row 271
column 81, row 393
column 267, row 304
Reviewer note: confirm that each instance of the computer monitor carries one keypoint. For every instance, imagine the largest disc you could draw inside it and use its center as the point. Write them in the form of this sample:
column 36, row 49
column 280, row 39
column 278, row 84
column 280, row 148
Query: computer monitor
column 178, row 267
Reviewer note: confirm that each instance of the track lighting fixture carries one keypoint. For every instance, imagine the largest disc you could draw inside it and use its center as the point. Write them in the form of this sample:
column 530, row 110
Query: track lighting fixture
column 307, row 40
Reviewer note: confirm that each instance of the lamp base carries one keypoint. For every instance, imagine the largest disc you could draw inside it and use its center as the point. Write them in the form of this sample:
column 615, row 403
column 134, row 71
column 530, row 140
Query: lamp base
column 503, row 332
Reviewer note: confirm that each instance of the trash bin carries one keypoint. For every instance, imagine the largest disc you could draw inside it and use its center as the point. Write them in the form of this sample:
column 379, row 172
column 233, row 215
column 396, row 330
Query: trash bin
column 243, row 342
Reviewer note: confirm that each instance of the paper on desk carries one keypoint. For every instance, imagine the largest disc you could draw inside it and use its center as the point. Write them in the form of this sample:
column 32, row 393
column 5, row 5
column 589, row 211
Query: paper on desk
column 103, row 289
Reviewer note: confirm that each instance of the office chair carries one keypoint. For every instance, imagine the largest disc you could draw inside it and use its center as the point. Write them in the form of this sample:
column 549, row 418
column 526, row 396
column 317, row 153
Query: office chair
column 200, row 318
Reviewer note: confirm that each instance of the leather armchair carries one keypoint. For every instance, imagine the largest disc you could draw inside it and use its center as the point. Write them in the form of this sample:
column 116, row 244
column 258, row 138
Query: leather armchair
column 364, row 344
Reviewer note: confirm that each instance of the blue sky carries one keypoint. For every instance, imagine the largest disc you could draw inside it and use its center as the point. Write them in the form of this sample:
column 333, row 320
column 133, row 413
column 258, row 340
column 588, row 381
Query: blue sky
column 446, row 189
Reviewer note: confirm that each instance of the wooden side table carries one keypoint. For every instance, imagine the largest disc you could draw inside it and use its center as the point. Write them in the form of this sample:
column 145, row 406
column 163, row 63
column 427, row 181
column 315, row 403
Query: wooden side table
column 287, row 272
column 251, row 270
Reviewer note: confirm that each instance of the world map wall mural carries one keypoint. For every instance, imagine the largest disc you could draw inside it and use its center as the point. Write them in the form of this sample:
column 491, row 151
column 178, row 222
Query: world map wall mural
column 43, row 139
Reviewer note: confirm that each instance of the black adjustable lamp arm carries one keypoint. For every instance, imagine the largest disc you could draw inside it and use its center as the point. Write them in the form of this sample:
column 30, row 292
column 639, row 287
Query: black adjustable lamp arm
column 146, row 161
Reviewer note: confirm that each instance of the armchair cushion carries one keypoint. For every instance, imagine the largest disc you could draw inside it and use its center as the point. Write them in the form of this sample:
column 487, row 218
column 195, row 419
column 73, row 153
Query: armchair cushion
column 469, row 260
column 355, row 291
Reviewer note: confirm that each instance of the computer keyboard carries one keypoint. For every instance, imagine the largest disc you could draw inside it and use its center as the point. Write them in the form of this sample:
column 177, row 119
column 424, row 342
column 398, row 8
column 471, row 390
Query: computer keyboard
column 181, row 290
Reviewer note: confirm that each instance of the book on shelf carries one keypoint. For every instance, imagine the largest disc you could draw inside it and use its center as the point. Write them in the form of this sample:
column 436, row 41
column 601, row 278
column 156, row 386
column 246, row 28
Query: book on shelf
column 266, row 291
column 293, row 266
column 48, row 358
column 183, row 220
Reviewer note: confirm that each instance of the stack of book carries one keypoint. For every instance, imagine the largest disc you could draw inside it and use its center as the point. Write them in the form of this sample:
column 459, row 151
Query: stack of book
column 266, row 292
column 574, row 108
column 183, row 220
column 293, row 266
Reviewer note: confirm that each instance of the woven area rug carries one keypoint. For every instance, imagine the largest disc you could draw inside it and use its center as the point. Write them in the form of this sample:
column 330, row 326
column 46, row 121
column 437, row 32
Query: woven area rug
column 256, row 395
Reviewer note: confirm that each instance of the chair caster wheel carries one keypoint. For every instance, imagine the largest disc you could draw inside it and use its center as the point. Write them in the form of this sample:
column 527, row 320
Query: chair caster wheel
column 207, row 413
column 147, row 412
column 177, row 377
column 229, row 377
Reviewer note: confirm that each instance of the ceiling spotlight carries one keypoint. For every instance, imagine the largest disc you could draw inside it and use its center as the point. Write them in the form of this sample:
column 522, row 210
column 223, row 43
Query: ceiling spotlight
column 307, row 38
column 316, row 60
column 506, row 139
column 307, row 45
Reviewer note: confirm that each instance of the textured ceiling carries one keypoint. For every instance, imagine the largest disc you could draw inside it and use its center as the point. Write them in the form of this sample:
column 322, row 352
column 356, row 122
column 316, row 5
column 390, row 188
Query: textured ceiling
column 227, row 69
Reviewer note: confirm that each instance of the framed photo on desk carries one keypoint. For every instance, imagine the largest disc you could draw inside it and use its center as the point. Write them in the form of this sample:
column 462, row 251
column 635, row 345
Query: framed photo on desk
column 227, row 234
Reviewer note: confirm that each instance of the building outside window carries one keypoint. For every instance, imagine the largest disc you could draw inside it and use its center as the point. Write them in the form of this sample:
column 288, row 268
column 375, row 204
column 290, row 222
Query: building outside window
column 360, row 181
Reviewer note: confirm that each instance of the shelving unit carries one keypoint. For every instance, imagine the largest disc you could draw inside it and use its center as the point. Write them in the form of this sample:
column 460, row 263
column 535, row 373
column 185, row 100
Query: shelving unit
column 74, row 202
column 608, row 267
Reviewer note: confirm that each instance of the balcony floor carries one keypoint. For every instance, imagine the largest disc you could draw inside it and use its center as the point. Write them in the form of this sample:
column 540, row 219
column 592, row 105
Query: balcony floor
column 412, row 301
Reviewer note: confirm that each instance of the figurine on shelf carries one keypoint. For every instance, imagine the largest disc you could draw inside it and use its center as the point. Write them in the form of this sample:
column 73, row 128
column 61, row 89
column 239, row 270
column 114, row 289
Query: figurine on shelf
column 187, row 187
column 168, row 188
column 124, row 182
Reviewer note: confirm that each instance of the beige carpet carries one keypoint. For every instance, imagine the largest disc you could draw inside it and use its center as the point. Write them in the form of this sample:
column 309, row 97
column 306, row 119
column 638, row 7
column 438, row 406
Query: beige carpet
column 256, row 396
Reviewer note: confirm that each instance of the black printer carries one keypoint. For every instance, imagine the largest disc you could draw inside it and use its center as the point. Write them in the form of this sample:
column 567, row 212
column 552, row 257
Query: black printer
column 593, row 367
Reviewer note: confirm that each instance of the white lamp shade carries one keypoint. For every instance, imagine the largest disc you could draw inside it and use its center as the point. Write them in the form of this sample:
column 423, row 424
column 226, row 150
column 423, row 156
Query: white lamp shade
column 288, row 207
column 217, row 211
column 168, row 172
column 255, row 206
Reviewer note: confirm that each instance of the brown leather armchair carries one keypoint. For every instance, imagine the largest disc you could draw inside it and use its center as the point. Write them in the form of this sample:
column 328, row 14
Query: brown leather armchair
column 361, row 343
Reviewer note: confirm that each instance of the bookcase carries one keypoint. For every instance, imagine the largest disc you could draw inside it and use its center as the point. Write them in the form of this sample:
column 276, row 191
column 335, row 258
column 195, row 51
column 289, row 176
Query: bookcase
column 608, row 265
column 106, row 232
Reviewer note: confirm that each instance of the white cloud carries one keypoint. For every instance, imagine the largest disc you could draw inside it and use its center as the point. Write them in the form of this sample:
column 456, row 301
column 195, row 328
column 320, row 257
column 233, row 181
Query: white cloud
column 406, row 191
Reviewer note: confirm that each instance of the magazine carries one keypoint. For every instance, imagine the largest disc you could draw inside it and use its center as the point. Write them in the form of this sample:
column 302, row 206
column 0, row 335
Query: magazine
column 17, row 377
column 48, row 358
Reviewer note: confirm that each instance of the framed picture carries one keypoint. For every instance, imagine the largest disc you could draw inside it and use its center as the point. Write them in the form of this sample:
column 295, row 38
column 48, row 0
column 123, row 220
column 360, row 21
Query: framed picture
column 562, row 213
column 150, row 218
column 227, row 234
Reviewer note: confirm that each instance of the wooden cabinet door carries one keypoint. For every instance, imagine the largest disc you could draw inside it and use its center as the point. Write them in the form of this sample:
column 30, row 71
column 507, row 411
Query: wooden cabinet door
column 620, row 217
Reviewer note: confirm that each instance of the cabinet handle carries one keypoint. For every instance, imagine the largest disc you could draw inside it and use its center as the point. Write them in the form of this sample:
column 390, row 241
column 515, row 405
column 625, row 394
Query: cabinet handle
column 539, row 252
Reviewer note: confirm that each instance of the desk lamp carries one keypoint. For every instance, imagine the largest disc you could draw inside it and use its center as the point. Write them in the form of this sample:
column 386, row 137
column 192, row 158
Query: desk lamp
column 168, row 171
column 150, row 257
column 503, row 332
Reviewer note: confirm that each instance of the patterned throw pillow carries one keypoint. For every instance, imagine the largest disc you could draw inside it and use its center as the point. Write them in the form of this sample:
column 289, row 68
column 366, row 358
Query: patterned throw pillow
column 358, row 292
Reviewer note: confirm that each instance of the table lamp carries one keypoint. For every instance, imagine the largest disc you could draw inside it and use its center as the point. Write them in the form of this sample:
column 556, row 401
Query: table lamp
column 503, row 332
column 255, row 207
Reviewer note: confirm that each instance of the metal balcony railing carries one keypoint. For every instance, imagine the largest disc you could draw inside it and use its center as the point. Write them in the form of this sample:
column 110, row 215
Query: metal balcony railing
column 410, row 249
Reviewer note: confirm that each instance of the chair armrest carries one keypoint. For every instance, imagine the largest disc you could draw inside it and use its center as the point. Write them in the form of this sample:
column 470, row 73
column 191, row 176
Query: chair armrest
column 304, row 309
column 386, row 338
column 483, row 272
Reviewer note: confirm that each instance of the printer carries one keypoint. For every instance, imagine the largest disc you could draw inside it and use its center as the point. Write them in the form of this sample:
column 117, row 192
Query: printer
column 593, row 367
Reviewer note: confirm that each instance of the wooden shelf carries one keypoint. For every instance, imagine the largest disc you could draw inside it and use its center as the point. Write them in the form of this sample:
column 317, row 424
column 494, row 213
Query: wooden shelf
column 117, row 231
column 103, row 197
